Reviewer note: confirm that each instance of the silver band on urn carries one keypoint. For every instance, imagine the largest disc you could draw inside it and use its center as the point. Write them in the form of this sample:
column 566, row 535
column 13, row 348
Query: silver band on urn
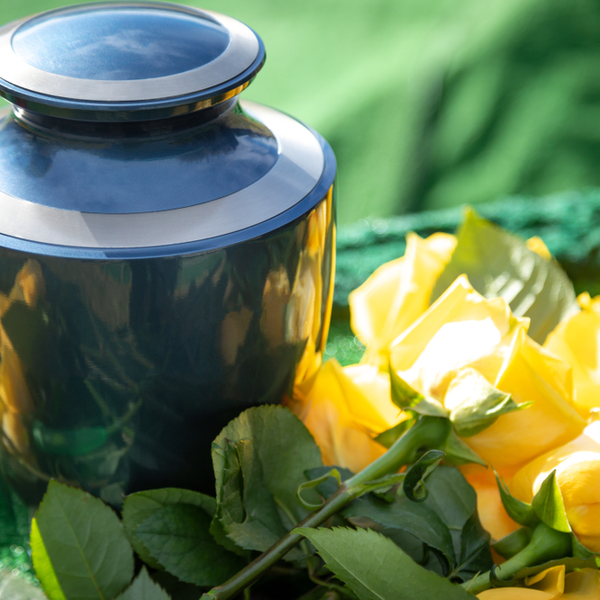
column 297, row 170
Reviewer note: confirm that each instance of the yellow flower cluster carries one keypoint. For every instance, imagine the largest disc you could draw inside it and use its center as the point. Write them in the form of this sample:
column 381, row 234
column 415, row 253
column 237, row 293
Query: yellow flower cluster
column 456, row 341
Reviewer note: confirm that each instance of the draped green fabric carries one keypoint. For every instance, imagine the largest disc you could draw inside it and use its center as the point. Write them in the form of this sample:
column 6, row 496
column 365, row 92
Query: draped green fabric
column 431, row 103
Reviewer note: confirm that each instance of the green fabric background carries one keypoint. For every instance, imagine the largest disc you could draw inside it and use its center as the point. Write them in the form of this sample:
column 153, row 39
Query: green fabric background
column 431, row 103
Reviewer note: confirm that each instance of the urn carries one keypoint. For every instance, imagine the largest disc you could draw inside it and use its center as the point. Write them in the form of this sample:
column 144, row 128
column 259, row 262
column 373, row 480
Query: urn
column 166, row 250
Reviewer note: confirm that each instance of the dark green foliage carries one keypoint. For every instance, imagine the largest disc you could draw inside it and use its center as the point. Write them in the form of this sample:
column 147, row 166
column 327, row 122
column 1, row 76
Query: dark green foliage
column 446, row 522
column 260, row 460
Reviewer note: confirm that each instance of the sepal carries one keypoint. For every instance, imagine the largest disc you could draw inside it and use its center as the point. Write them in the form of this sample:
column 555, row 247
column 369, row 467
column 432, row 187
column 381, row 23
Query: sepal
column 518, row 511
column 570, row 563
column 407, row 398
column 580, row 551
column 549, row 506
column 475, row 404
column 458, row 453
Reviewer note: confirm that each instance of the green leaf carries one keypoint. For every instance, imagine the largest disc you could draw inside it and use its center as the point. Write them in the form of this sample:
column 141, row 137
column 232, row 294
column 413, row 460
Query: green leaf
column 475, row 404
column 518, row 511
column 43, row 566
column 406, row 398
column 143, row 588
column 458, row 453
column 219, row 535
column 438, row 521
column 451, row 496
column 429, row 558
column 13, row 587
column 414, row 482
column 79, row 549
column 549, row 506
column 453, row 500
column 260, row 459
column 140, row 506
column 178, row 538
column 475, row 554
column 374, row 568
column 499, row 263
column 413, row 517
column 231, row 488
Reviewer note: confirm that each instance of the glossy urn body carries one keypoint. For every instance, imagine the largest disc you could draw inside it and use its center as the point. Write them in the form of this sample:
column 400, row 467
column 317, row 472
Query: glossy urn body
column 166, row 251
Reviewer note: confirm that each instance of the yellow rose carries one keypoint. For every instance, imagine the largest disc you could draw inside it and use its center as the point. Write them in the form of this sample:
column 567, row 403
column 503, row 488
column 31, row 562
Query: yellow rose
column 549, row 584
column 461, row 332
column 397, row 293
column 344, row 409
column 576, row 340
column 577, row 467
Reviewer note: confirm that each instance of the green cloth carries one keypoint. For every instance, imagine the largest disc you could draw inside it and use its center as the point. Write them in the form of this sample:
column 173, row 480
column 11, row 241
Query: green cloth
column 431, row 103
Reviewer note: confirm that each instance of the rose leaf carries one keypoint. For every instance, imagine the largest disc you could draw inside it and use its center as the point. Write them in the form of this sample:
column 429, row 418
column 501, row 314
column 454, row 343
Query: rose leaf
column 374, row 568
column 79, row 549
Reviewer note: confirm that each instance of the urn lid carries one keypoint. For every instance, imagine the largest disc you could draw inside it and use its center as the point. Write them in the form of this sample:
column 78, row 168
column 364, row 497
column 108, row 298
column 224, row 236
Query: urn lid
column 126, row 61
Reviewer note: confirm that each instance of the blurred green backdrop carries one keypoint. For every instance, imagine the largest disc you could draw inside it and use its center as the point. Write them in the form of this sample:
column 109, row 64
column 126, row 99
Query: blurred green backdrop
column 431, row 103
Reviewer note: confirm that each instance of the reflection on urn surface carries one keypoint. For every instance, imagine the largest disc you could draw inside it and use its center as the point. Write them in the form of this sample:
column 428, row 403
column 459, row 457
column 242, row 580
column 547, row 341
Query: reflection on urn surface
column 117, row 375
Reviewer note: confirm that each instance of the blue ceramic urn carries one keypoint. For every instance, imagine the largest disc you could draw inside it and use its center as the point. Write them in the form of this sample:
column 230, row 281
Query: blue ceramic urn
column 166, row 250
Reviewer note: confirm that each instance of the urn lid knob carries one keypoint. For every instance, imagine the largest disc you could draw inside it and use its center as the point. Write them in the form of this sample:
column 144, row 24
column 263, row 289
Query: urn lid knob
column 126, row 61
